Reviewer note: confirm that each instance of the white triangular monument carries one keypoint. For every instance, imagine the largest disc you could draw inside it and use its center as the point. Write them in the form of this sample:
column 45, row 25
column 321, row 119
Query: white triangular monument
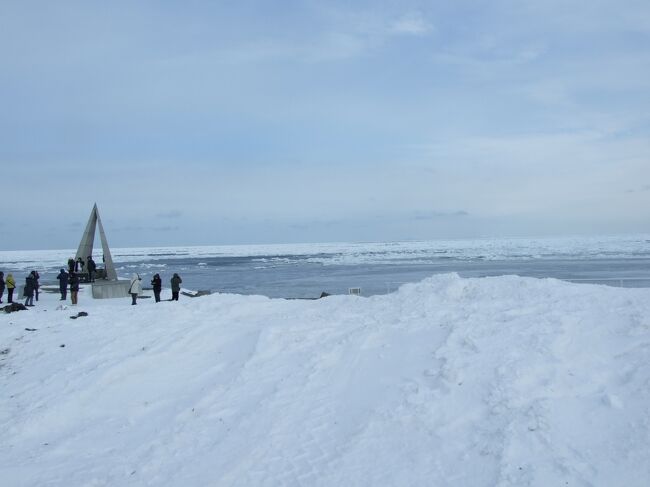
column 88, row 239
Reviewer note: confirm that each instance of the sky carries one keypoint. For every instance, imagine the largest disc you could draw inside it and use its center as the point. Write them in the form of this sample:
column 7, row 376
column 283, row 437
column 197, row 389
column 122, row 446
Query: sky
column 226, row 122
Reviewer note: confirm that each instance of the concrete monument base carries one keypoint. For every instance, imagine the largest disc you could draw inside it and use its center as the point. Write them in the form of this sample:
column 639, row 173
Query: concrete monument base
column 111, row 289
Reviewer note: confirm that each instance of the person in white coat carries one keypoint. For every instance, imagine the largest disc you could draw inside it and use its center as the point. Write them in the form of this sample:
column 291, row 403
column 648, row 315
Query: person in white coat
column 136, row 288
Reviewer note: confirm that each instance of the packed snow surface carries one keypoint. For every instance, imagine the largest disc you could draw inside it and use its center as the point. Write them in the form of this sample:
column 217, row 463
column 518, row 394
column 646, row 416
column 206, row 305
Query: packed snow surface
column 467, row 382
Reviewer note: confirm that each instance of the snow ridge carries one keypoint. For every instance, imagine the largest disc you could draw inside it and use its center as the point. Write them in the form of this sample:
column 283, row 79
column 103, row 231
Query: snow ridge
column 502, row 381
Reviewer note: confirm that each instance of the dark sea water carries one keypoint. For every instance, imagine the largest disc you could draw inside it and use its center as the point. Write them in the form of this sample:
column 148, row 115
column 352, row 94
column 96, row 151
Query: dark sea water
column 306, row 279
column 306, row 270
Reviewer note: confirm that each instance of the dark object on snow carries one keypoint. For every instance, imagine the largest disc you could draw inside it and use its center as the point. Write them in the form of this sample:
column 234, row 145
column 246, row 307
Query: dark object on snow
column 323, row 295
column 10, row 308
column 79, row 315
column 197, row 294
column 62, row 345
column 31, row 329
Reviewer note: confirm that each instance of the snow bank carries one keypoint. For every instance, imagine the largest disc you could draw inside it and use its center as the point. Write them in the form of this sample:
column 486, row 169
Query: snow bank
column 481, row 382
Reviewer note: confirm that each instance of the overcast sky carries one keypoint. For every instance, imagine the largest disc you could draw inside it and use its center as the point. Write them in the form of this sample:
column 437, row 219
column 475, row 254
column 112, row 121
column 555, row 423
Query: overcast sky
column 214, row 122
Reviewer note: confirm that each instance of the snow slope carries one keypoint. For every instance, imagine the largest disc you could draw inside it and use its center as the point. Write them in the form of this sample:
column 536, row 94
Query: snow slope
column 496, row 381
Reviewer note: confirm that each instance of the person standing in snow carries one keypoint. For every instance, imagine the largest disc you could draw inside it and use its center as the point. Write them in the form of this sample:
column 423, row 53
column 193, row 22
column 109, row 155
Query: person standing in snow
column 92, row 267
column 136, row 288
column 176, row 286
column 11, row 285
column 28, row 291
column 63, row 284
column 71, row 265
column 2, row 285
column 79, row 265
column 156, row 282
column 73, row 279
column 37, row 284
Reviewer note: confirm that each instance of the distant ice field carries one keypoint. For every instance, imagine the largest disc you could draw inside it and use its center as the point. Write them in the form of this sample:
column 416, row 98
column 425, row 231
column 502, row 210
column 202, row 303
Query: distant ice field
column 306, row 270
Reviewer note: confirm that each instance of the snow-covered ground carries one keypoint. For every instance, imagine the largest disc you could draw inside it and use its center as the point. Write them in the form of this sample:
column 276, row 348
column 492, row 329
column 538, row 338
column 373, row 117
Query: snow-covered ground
column 467, row 382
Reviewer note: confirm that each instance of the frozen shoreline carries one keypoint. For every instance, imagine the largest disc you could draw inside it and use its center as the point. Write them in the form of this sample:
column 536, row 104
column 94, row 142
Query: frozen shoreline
column 494, row 381
column 306, row 270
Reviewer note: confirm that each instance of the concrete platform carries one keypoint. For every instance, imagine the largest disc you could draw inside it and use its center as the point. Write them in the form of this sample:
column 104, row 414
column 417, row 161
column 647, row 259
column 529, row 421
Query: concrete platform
column 110, row 289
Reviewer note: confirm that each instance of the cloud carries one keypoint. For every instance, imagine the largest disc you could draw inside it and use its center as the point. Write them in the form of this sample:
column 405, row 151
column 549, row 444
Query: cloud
column 139, row 229
column 318, row 224
column 491, row 62
column 446, row 112
column 412, row 24
column 435, row 215
column 172, row 214
column 642, row 189
column 344, row 34
column 129, row 228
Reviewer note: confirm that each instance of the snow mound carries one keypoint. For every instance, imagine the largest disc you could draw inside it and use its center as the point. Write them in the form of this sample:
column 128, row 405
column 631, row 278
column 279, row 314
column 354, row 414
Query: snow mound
column 495, row 381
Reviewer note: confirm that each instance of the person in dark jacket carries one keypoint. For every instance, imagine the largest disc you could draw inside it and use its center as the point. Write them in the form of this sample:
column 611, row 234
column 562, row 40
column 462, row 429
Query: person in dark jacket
column 2, row 285
column 71, row 265
column 176, row 286
column 28, row 291
column 156, row 282
column 37, row 284
column 63, row 284
column 73, row 279
column 92, row 267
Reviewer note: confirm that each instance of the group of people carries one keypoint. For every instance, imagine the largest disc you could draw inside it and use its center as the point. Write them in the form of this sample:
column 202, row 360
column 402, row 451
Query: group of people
column 70, row 280
column 31, row 288
column 156, row 282
column 30, row 291
column 77, row 267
